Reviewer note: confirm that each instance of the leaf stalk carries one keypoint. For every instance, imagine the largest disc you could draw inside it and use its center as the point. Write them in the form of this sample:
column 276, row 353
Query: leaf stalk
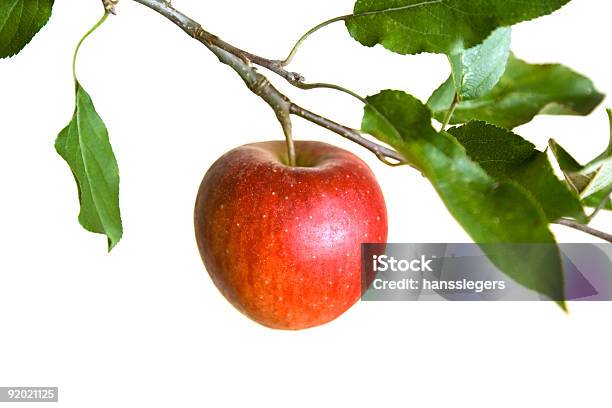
column 82, row 40
column 310, row 32
column 451, row 111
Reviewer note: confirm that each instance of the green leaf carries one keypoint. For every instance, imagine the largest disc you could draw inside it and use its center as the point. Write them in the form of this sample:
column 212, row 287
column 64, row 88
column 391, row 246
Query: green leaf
column 20, row 20
column 438, row 26
column 491, row 211
column 507, row 156
column 599, row 199
column 85, row 146
column 592, row 181
column 524, row 91
column 477, row 70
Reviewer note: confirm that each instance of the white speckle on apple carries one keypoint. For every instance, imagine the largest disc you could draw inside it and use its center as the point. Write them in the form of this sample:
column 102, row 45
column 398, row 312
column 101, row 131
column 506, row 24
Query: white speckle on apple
column 310, row 217
column 286, row 230
column 280, row 298
column 238, row 224
column 274, row 193
column 222, row 206
column 365, row 235
column 266, row 282
column 331, row 283
column 377, row 218
column 286, row 197
column 264, row 216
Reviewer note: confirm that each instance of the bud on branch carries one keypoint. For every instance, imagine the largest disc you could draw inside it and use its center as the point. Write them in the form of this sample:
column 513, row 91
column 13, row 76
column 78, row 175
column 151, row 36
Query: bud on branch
column 109, row 5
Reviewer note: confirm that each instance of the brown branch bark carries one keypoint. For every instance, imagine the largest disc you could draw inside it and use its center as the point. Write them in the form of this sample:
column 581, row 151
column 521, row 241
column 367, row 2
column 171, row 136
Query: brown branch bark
column 242, row 62
column 586, row 229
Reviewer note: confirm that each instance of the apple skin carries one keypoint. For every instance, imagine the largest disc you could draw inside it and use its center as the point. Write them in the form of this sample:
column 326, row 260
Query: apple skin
column 283, row 244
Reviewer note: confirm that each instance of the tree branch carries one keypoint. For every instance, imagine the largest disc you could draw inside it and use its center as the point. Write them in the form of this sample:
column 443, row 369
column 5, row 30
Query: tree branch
column 242, row 63
column 585, row 228
column 382, row 152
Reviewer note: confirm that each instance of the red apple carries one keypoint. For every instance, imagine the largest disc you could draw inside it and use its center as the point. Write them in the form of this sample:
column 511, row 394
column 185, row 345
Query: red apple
column 283, row 244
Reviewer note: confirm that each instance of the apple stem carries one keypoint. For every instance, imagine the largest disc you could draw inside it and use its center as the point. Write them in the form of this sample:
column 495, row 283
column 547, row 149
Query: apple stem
column 285, row 120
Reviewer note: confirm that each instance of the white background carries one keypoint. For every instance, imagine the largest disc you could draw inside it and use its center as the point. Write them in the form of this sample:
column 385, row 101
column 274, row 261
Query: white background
column 144, row 326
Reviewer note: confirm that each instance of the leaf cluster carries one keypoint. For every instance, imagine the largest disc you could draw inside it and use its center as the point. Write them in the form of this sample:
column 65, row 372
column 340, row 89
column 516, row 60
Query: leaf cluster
column 497, row 185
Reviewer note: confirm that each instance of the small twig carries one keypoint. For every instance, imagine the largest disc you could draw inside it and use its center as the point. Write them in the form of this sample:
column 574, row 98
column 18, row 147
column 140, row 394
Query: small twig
column 241, row 62
column 190, row 26
column 382, row 152
column 450, row 112
column 585, row 228
column 601, row 206
column 272, row 65
column 323, row 85
column 303, row 38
